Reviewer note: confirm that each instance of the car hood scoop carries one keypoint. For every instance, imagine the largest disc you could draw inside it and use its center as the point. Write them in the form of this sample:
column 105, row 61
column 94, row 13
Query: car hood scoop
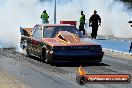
column 68, row 37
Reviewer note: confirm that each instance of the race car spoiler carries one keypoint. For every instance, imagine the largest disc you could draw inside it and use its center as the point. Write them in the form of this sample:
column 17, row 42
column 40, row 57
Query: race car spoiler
column 26, row 31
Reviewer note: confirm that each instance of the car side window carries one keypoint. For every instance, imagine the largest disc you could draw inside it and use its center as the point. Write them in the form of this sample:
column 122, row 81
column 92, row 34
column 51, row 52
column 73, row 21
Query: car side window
column 34, row 28
column 48, row 32
column 37, row 32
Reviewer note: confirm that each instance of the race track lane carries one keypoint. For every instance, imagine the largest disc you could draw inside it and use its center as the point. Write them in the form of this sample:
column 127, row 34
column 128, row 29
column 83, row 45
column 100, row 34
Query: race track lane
column 37, row 74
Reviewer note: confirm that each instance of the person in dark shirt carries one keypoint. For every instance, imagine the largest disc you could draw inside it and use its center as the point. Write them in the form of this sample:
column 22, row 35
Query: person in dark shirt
column 131, row 42
column 130, row 47
column 94, row 22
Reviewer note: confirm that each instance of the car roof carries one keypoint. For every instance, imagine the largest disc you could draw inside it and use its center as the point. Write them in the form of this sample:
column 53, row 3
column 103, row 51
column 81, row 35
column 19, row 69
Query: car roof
column 54, row 25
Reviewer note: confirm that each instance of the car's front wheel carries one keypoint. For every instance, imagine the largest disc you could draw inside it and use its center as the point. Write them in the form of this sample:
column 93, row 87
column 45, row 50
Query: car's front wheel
column 45, row 56
column 48, row 57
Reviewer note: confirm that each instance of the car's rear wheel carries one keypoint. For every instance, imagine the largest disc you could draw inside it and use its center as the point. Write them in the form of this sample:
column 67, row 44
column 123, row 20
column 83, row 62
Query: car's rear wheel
column 23, row 45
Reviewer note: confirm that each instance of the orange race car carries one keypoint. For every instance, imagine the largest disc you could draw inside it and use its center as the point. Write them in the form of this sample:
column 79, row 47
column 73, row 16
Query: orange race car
column 61, row 42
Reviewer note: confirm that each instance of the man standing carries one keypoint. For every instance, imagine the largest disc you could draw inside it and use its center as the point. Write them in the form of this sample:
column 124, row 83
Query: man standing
column 131, row 42
column 130, row 47
column 44, row 17
column 82, row 23
column 93, row 22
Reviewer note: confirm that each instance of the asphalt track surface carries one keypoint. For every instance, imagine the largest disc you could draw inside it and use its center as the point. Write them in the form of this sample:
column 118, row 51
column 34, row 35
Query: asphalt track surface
column 36, row 74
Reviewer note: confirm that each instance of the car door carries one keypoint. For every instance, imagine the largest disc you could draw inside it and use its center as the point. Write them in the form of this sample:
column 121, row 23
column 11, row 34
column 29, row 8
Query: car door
column 36, row 41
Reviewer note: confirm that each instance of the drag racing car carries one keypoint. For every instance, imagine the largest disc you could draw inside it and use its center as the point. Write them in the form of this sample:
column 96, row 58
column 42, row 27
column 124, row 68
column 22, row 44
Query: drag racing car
column 59, row 42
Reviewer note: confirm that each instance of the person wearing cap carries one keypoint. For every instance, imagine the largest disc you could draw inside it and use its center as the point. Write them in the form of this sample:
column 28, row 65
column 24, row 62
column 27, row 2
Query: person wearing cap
column 82, row 23
column 94, row 22
column 44, row 17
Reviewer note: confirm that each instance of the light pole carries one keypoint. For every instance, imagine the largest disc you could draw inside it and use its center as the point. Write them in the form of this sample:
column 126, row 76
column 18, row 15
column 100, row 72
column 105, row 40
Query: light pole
column 55, row 13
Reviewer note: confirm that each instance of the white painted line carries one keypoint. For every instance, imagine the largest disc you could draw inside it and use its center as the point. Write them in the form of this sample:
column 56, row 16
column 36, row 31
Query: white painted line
column 116, row 51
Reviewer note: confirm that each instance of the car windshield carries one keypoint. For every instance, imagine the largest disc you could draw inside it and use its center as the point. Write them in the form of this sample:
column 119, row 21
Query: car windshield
column 52, row 31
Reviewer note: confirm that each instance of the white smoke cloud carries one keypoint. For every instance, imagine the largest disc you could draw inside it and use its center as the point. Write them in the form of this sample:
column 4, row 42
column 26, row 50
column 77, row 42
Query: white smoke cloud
column 16, row 13
column 115, row 15
column 13, row 14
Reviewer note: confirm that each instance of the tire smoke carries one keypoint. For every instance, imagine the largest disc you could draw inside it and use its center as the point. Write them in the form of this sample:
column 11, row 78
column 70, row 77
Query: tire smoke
column 114, row 14
column 16, row 13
